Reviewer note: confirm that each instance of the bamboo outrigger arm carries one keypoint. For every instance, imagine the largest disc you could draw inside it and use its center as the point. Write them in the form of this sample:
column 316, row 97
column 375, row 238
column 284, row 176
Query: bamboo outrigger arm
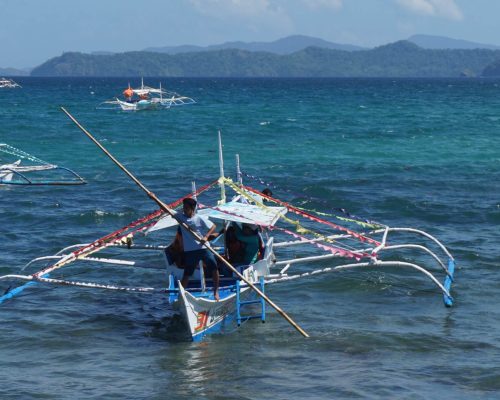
column 282, row 278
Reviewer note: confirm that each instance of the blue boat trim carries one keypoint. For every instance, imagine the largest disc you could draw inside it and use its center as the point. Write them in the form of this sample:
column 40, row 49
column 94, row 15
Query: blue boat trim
column 448, row 300
column 240, row 318
column 17, row 290
column 14, row 292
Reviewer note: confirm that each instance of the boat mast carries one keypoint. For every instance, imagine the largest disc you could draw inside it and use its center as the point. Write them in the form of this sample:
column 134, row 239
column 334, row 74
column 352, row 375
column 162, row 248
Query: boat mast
column 221, row 173
column 238, row 171
column 193, row 189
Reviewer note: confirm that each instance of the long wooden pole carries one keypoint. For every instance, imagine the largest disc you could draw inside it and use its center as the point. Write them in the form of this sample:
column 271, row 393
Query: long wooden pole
column 173, row 214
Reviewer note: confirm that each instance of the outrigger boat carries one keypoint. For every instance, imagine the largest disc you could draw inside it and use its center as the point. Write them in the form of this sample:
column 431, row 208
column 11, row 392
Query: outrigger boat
column 8, row 83
column 341, row 245
column 146, row 98
column 33, row 171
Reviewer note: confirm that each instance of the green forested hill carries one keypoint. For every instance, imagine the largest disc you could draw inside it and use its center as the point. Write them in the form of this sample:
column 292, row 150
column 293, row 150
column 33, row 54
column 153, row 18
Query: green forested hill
column 492, row 70
column 399, row 59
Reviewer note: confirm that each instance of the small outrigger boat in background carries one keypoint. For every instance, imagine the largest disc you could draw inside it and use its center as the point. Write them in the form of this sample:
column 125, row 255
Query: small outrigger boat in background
column 33, row 171
column 345, row 242
column 146, row 98
column 8, row 84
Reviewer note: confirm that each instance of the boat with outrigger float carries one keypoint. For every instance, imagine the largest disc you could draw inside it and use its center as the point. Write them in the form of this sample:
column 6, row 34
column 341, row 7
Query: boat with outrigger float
column 30, row 170
column 146, row 98
column 6, row 83
column 243, row 286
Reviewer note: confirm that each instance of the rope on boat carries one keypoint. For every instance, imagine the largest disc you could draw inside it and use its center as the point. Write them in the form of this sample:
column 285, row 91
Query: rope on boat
column 106, row 241
column 22, row 154
column 244, row 192
column 313, row 218
column 350, row 217
column 122, row 233
column 94, row 285
column 335, row 250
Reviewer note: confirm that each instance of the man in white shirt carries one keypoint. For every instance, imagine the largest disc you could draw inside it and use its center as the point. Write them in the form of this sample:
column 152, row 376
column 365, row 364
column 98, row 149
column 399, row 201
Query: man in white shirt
column 194, row 250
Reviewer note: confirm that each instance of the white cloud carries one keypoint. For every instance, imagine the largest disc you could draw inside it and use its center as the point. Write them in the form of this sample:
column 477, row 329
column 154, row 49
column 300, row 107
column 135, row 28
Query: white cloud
column 237, row 8
column 255, row 17
column 314, row 4
column 434, row 8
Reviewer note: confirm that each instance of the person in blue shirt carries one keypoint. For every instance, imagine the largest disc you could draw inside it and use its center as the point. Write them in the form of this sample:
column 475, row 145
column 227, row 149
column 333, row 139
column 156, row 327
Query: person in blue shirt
column 250, row 244
column 195, row 251
column 249, row 235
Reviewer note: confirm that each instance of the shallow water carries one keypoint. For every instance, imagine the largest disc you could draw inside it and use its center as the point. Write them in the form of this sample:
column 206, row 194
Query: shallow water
column 421, row 153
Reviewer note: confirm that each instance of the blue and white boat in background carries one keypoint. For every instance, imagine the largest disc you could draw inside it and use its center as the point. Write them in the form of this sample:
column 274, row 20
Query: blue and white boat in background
column 146, row 98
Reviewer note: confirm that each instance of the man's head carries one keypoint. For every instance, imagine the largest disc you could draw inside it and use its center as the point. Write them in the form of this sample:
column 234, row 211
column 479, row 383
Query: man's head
column 267, row 192
column 189, row 206
column 249, row 229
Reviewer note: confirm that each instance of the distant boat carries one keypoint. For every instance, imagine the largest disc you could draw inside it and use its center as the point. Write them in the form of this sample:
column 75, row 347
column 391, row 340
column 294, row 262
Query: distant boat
column 8, row 83
column 146, row 98
column 33, row 172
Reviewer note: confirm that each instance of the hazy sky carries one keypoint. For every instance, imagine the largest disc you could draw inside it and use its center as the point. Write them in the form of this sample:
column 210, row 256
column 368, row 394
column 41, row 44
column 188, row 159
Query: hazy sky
column 32, row 31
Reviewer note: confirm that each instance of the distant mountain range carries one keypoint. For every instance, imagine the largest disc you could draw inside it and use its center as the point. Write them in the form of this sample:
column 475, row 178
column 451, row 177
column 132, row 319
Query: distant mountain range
column 291, row 44
column 399, row 59
column 420, row 55
column 492, row 70
column 14, row 72
column 442, row 42
column 287, row 45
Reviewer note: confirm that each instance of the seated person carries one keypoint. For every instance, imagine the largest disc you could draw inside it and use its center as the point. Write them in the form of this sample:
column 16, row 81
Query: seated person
column 175, row 250
column 234, row 248
column 267, row 192
column 252, row 247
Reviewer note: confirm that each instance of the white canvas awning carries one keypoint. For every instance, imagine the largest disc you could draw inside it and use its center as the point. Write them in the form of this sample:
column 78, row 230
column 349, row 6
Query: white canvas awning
column 147, row 90
column 233, row 211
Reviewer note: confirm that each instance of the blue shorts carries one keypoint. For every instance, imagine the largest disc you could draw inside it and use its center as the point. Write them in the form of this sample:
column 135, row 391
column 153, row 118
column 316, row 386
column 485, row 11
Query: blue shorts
column 192, row 259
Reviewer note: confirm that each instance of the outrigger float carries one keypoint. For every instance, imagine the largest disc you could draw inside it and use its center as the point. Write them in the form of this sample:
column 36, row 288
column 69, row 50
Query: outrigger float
column 339, row 244
column 146, row 98
column 33, row 170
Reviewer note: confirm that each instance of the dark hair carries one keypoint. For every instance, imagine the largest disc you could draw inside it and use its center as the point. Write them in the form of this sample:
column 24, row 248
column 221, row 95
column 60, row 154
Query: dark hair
column 267, row 192
column 189, row 202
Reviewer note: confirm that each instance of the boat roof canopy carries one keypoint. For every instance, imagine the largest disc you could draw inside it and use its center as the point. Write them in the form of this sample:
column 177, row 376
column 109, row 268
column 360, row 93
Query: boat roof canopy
column 147, row 90
column 235, row 212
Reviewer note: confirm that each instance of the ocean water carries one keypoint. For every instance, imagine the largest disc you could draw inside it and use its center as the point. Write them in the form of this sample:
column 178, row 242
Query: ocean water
column 419, row 153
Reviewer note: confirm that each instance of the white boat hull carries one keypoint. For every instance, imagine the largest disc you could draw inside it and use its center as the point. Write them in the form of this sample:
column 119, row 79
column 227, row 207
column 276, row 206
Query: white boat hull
column 139, row 105
column 203, row 316
column 201, row 313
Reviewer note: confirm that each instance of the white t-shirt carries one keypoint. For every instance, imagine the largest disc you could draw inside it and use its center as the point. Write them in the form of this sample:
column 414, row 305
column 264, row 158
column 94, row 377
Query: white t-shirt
column 201, row 225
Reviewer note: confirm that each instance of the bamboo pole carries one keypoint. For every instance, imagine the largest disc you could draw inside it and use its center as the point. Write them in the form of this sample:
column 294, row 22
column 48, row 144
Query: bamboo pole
column 172, row 213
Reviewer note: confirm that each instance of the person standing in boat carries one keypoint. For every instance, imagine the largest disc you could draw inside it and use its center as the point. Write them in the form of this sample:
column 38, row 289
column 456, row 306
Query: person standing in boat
column 195, row 251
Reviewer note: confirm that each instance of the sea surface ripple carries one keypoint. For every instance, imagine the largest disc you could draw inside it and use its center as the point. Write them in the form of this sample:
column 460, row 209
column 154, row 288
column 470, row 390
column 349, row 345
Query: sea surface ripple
column 407, row 152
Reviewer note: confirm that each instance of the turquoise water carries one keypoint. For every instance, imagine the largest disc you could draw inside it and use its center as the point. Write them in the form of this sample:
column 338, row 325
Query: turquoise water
column 420, row 153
